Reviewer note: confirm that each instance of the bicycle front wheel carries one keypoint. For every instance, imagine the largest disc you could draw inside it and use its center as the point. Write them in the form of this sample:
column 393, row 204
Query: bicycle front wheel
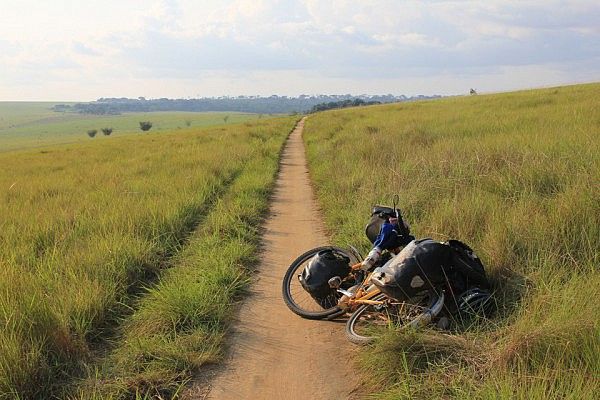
column 297, row 298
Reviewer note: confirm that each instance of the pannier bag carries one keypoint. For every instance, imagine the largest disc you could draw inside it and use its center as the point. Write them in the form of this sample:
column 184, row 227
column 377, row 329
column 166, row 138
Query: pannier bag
column 417, row 268
column 466, row 264
column 316, row 275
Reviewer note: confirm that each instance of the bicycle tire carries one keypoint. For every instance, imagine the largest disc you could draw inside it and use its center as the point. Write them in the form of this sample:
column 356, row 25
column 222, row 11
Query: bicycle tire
column 289, row 298
column 435, row 304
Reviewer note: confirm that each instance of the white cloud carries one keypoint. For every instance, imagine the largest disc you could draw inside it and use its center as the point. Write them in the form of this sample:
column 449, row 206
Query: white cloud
column 410, row 39
column 205, row 44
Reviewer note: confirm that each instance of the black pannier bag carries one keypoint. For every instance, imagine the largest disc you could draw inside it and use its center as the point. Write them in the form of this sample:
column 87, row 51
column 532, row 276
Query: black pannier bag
column 316, row 275
column 467, row 265
column 417, row 268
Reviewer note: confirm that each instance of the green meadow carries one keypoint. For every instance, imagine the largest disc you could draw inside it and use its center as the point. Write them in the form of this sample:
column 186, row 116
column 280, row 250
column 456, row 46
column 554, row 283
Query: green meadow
column 33, row 124
column 120, row 258
column 517, row 177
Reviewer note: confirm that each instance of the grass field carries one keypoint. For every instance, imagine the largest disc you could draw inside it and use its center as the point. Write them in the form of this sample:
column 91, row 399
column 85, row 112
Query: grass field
column 119, row 259
column 27, row 124
column 516, row 176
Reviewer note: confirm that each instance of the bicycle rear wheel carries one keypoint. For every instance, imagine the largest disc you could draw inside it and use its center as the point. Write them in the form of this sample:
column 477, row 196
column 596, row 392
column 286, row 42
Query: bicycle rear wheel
column 299, row 300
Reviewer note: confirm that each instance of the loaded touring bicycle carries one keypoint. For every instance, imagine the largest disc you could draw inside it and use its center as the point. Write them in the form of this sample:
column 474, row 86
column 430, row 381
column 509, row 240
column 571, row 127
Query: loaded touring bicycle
column 425, row 281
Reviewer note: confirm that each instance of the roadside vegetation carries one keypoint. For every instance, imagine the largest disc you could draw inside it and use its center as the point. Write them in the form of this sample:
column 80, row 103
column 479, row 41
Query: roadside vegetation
column 515, row 176
column 119, row 260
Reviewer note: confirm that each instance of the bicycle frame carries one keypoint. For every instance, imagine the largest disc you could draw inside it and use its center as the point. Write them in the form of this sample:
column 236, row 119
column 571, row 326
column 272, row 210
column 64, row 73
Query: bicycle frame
column 361, row 296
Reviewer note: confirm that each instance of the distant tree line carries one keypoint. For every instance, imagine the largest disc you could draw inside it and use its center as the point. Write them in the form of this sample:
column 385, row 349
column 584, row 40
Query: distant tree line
column 342, row 104
column 252, row 104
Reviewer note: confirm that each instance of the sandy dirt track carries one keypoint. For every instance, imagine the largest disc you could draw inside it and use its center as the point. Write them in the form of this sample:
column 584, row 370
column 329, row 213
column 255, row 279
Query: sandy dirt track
column 273, row 353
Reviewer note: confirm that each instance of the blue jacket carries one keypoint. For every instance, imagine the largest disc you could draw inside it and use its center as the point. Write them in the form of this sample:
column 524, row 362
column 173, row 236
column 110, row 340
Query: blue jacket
column 390, row 238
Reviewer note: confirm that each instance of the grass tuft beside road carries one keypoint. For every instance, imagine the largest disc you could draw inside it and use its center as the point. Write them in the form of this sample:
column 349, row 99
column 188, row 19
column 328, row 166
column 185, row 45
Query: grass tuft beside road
column 514, row 175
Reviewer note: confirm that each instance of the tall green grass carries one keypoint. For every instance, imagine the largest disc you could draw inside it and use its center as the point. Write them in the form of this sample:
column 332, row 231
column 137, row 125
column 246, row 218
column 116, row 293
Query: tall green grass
column 515, row 175
column 180, row 324
column 86, row 229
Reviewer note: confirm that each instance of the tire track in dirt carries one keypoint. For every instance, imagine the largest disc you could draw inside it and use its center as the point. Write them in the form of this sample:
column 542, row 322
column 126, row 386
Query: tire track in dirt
column 273, row 353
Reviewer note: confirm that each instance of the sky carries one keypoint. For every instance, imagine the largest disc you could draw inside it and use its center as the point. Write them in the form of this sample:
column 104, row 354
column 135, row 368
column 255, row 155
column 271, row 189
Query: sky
column 59, row 50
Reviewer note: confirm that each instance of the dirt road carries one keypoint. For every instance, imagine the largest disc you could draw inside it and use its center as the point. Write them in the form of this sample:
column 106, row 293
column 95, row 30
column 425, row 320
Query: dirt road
column 275, row 354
